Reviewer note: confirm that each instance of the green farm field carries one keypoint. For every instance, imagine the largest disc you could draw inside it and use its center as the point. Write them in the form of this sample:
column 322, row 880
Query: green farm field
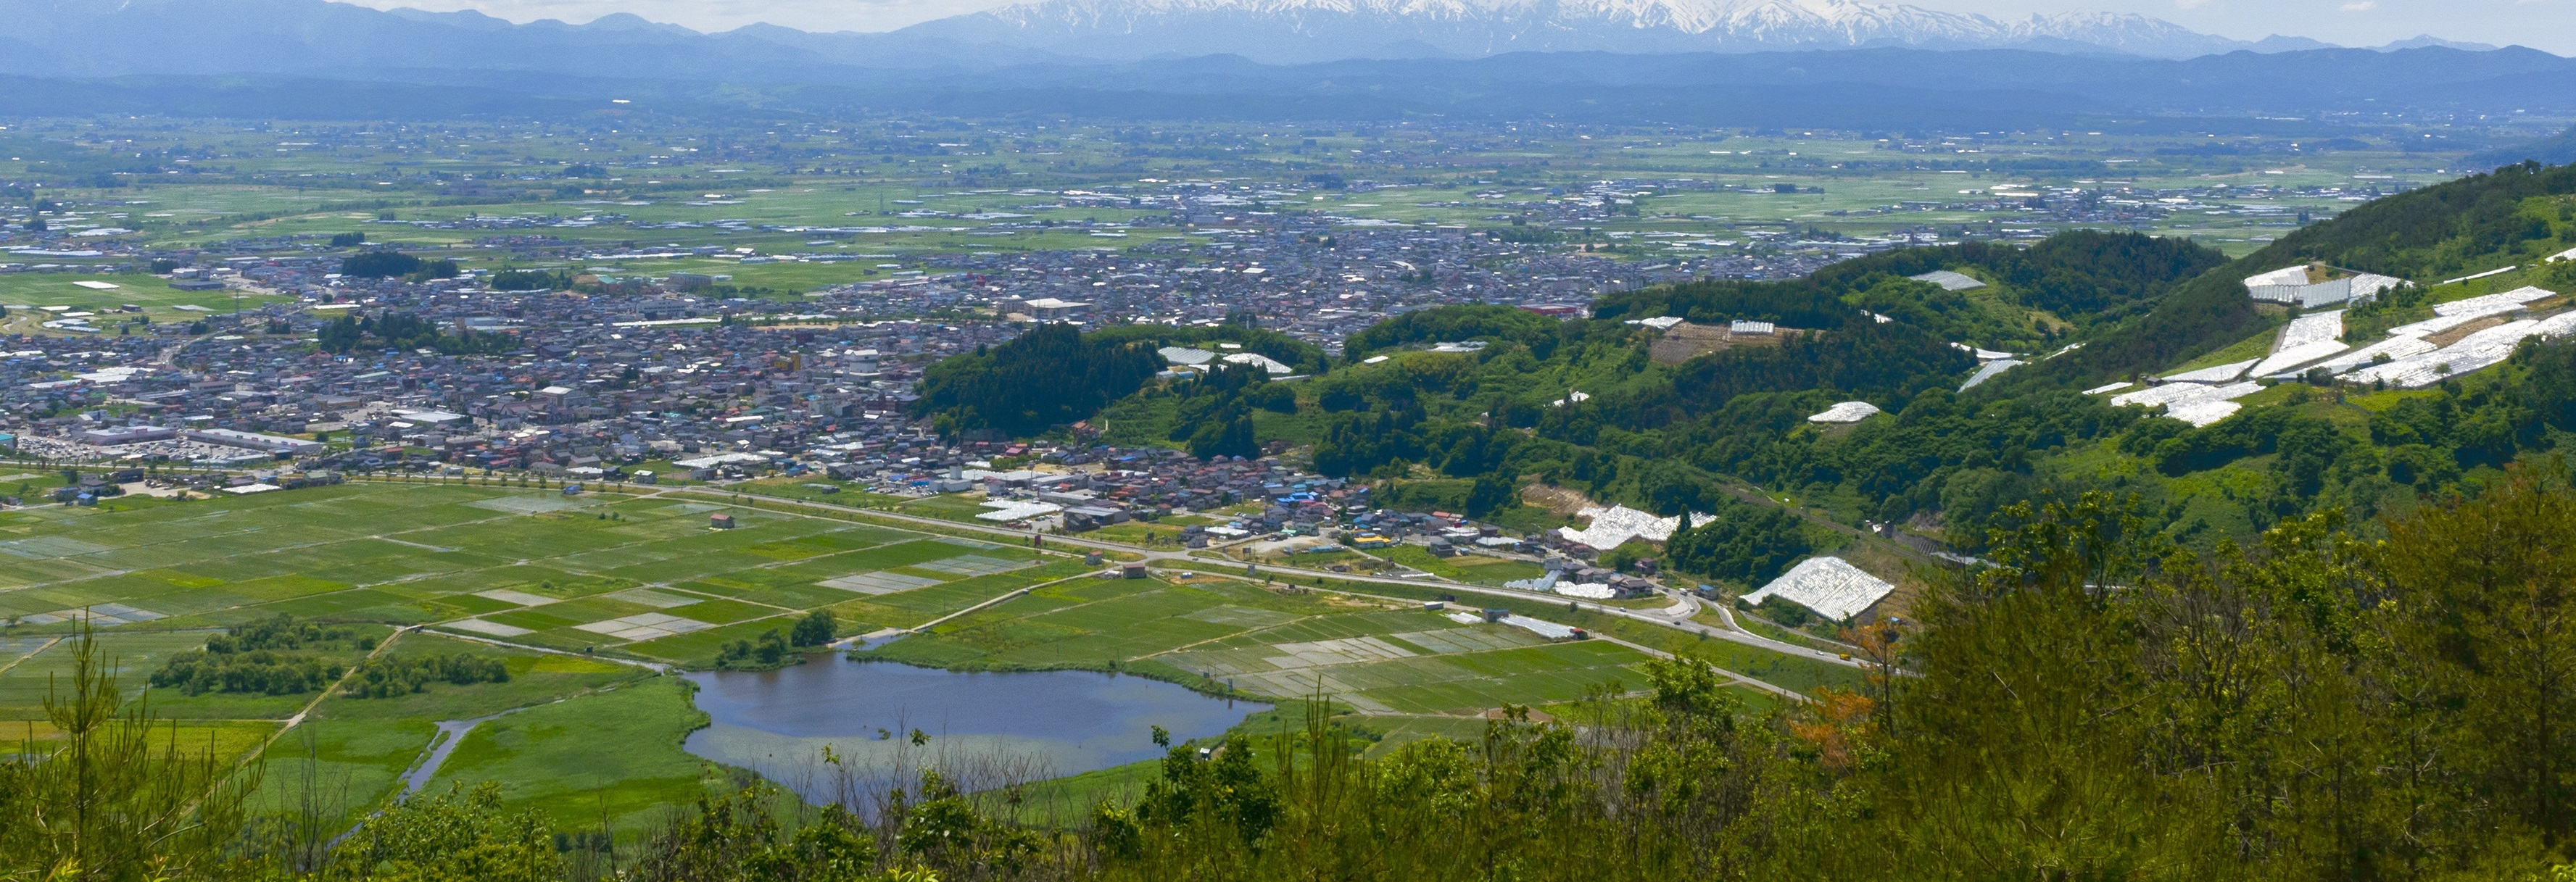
column 585, row 600
column 1473, row 568
column 1222, row 634
column 638, row 577
column 591, row 603
column 159, row 301
column 350, row 754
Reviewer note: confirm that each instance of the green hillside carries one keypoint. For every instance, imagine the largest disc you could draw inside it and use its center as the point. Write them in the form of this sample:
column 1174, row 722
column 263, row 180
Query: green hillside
column 1584, row 405
column 2459, row 228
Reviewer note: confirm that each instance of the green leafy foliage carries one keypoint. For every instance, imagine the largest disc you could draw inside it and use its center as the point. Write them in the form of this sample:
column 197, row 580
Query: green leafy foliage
column 393, row 676
column 2315, row 653
column 1300, row 356
column 1051, row 376
column 1454, row 323
column 2083, row 276
column 1679, row 797
column 738, row 838
column 406, row 331
column 814, row 629
column 529, row 280
column 941, row 827
column 1893, row 361
column 1745, row 544
column 1214, row 416
column 1947, row 314
column 379, row 265
column 769, row 652
column 2086, row 278
column 386, row 264
column 258, row 672
column 113, row 795
column 442, row 268
column 1801, row 303
column 276, row 656
column 1490, row 494
column 1782, row 611
column 459, row 834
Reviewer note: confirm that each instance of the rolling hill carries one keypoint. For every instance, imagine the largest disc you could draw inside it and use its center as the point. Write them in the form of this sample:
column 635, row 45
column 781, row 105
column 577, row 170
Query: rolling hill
column 1941, row 464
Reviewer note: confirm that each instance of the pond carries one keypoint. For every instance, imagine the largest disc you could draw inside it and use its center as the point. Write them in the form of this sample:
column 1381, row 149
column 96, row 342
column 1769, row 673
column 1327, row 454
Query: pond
column 1007, row 725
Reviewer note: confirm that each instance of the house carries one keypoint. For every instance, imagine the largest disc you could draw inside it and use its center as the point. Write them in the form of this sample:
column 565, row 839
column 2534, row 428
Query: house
column 720, row 521
column 1092, row 517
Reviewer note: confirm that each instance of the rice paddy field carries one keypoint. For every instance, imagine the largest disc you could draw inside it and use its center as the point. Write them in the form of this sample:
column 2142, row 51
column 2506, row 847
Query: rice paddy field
column 645, row 578
column 1378, row 658
column 590, row 602
column 585, row 599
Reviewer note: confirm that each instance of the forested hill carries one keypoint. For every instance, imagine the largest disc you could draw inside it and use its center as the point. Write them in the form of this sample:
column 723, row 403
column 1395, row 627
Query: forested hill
column 2074, row 282
column 2454, row 229
column 1609, row 407
column 1055, row 375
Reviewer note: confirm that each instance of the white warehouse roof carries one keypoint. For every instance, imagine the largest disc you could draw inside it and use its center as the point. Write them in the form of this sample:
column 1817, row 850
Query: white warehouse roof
column 1185, row 355
column 1829, row 585
column 1950, row 281
column 1846, row 412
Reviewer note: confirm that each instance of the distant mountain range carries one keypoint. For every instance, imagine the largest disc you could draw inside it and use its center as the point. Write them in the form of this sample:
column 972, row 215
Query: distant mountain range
column 1322, row 30
column 93, row 38
column 1749, row 62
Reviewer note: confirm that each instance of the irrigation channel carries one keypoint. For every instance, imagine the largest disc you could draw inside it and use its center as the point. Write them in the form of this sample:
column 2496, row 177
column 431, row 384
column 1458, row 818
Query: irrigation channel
column 1004, row 727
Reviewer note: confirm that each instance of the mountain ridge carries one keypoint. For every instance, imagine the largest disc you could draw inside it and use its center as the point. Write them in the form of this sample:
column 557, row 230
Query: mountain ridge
column 1287, row 31
column 70, row 51
column 109, row 38
column 1867, row 89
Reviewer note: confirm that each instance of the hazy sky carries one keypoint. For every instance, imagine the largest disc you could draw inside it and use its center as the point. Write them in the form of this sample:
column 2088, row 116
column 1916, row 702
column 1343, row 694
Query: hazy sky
column 2542, row 24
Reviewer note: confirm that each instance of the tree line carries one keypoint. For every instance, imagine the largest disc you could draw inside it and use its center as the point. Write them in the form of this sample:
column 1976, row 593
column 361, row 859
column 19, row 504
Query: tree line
column 1053, row 375
column 393, row 330
column 273, row 656
column 394, row 676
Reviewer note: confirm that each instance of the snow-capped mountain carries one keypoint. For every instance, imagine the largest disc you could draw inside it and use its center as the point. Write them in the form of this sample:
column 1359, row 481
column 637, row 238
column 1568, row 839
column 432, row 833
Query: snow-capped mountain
column 1314, row 30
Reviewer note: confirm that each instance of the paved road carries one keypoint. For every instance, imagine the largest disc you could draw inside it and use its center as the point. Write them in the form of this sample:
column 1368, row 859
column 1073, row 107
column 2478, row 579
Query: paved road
column 1677, row 617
